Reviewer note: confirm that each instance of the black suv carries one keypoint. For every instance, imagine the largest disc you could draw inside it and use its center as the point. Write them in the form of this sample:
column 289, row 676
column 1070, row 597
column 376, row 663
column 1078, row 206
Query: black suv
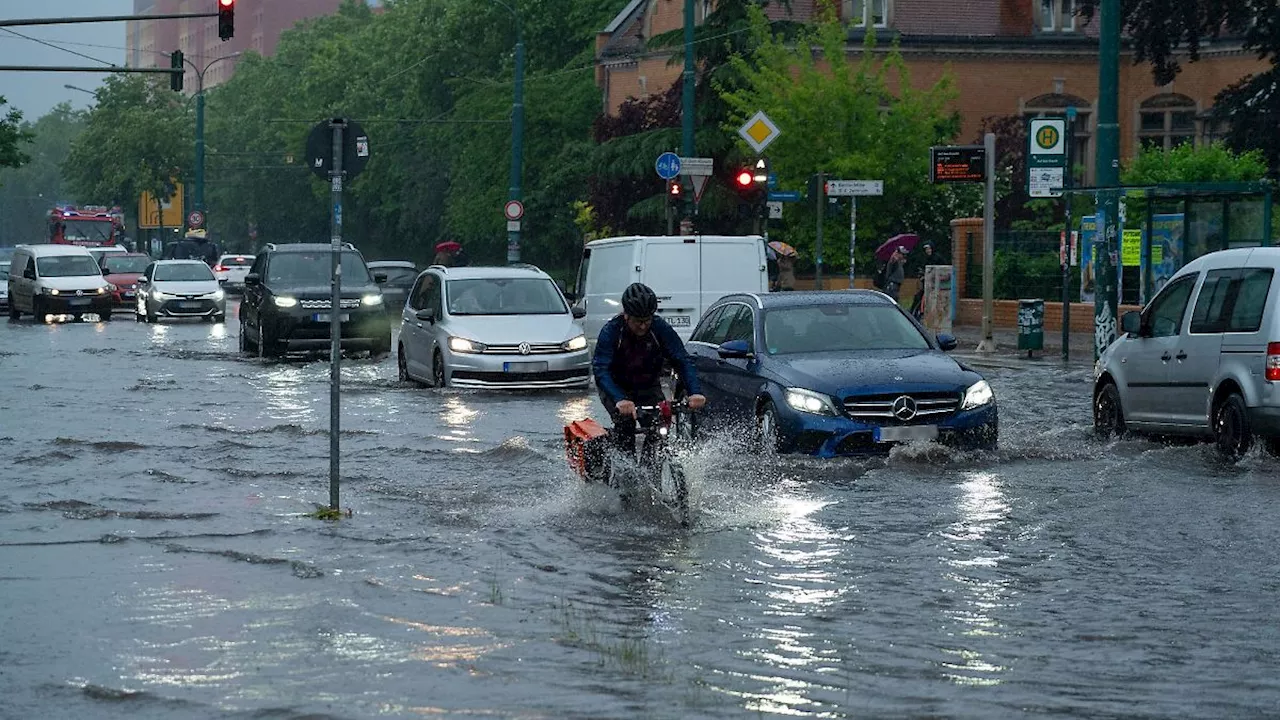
column 287, row 302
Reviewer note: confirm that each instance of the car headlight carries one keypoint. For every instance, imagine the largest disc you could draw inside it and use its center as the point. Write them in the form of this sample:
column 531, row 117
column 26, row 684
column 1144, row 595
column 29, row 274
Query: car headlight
column 371, row 299
column 157, row 295
column 218, row 295
column 133, row 286
column 463, row 345
column 286, row 302
column 111, row 287
column 49, row 291
column 977, row 395
column 810, row 402
column 578, row 343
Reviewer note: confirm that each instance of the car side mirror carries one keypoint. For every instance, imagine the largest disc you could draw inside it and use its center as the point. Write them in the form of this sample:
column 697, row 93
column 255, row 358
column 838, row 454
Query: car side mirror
column 253, row 279
column 143, row 280
column 379, row 278
column 571, row 297
column 578, row 311
column 946, row 342
column 1131, row 322
column 736, row 349
column 427, row 315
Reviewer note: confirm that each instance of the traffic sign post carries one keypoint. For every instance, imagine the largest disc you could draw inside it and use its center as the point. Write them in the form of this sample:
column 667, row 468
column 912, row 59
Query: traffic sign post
column 853, row 189
column 1046, row 156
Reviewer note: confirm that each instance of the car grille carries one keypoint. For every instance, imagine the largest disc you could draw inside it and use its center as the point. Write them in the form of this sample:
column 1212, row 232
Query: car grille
column 345, row 304
column 534, row 349
column 511, row 378
column 879, row 408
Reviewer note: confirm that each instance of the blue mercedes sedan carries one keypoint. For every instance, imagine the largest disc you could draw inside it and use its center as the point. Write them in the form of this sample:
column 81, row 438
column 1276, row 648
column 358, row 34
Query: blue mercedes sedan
column 836, row 373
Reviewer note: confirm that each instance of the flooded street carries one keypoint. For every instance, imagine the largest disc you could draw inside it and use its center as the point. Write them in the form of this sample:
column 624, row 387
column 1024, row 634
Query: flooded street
column 157, row 561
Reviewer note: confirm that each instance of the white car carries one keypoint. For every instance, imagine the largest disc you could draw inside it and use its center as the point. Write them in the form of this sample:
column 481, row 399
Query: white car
column 231, row 270
column 180, row 288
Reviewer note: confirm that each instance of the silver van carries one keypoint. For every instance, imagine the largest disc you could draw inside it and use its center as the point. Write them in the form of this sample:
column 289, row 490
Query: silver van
column 52, row 280
column 1202, row 359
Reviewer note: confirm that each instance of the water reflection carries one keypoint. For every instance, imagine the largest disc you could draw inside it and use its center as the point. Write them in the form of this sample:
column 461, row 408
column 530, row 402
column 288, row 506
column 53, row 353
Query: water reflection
column 459, row 417
column 288, row 394
column 577, row 408
column 974, row 556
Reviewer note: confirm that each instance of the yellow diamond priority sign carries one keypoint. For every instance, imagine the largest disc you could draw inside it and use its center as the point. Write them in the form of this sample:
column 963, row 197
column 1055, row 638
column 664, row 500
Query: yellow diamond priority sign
column 759, row 131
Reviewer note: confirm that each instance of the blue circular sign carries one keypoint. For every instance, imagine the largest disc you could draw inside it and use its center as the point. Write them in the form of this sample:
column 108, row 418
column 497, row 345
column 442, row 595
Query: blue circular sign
column 668, row 165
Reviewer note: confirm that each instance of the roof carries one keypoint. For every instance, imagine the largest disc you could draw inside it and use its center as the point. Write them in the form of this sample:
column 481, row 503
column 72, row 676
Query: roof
column 669, row 238
column 181, row 262
column 47, row 249
column 306, row 247
column 808, row 298
column 392, row 263
column 471, row 272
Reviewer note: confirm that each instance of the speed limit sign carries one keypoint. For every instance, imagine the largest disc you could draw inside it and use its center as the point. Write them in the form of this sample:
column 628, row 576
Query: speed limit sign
column 195, row 219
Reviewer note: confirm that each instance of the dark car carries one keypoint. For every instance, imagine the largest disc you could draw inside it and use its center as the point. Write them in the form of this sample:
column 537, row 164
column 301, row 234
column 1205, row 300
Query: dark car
column 836, row 373
column 287, row 302
column 400, row 276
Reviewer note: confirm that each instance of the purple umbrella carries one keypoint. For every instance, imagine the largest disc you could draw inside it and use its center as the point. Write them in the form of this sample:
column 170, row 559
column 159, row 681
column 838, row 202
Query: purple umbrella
column 907, row 241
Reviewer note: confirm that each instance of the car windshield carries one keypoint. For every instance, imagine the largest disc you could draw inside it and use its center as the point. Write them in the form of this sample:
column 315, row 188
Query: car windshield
column 505, row 296
column 828, row 328
column 95, row 231
column 126, row 263
column 398, row 276
column 67, row 266
column 235, row 261
column 183, row 272
column 306, row 268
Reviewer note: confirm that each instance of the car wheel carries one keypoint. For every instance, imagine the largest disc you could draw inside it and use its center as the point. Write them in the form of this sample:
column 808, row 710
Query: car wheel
column 266, row 345
column 1108, row 415
column 1272, row 445
column 1231, row 431
column 381, row 349
column 402, row 365
column 105, row 316
column 439, row 377
column 767, row 429
column 220, row 318
column 14, row 312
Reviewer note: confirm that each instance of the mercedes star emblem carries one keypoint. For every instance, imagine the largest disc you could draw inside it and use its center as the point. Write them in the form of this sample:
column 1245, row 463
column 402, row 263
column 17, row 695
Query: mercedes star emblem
column 524, row 348
column 904, row 408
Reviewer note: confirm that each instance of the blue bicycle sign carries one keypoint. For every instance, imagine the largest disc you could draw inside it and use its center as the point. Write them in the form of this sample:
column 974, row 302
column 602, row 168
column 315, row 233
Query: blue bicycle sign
column 668, row 165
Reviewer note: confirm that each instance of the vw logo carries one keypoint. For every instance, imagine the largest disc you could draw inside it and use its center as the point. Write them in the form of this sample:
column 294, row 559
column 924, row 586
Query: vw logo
column 79, row 292
column 524, row 348
column 904, row 408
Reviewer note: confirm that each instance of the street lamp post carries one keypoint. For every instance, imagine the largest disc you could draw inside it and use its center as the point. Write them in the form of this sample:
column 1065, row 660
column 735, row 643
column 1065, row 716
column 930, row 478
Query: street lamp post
column 517, row 134
column 199, row 191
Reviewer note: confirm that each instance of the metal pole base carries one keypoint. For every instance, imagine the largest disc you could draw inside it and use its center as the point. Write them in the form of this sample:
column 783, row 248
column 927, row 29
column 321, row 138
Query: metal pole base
column 988, row 345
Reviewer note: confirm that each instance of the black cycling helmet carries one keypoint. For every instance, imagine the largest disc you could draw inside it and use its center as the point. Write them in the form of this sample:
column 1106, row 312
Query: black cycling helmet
column 638, row 301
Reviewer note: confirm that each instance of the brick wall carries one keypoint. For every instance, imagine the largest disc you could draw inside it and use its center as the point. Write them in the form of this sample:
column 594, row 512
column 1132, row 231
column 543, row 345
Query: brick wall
column 947, row 17
column 969, row 312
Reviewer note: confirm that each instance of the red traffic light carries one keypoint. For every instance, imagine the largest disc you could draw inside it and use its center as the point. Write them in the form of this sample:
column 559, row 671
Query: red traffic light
column 673, row 188
column 226, row 19
column 226, row 3
column 744, row 178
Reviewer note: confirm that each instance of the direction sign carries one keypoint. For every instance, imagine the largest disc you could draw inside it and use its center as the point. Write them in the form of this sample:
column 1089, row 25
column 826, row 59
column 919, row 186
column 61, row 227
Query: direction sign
column 513, row 210
column 759, row 131
column 667, row 165
column 855, row 187
column 775, row 210
column 784, row 196
column 195, row 219
column 695, row 166
column 355, row 148
column 957, row 163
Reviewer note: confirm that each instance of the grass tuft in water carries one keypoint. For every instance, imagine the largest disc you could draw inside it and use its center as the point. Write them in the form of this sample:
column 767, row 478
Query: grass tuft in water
column 631, row 655
column 328, row 513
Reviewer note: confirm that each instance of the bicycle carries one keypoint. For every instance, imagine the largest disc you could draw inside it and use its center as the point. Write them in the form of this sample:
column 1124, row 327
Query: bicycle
column 587, row 447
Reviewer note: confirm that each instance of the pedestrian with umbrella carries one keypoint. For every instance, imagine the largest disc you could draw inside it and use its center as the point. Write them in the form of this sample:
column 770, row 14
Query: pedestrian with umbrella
column 786, row 265
column 447, row 253
column 893, row 252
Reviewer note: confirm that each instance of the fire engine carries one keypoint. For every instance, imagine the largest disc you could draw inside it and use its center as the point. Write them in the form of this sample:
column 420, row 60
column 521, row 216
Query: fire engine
column 90, row 225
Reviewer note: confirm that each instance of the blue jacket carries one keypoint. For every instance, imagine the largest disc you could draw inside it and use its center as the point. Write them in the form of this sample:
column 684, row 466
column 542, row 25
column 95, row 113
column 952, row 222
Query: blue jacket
column 607, row 363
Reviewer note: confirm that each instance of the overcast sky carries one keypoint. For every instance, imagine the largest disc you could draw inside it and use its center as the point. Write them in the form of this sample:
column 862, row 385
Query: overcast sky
column 35, row 92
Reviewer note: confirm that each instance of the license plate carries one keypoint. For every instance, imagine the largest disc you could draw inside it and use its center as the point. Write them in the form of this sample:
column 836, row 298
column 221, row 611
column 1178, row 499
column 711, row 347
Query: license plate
column 80, row 301
column 907, row 433
column 324, row 317
column 677, row 320
column 189, row 305
column 127, row 296
column 524, row 367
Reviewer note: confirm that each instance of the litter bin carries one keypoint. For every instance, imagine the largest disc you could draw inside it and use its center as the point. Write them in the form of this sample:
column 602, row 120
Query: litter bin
column 1031, row 325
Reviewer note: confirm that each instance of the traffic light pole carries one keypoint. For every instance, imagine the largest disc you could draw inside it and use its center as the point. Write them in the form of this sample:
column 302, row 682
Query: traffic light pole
column 103, row 18
column 817, row 243
column 1107, row 160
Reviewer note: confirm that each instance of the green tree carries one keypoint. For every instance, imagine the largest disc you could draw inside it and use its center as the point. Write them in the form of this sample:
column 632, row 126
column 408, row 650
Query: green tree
column 12, row 137
column 139, row 137
column 855, row 118
column 1188, row 164
column 27, row 193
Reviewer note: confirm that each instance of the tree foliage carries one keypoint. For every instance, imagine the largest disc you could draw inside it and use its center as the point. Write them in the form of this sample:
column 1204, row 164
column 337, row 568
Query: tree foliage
column 853, row 118
column 28, row 192
column 1188, row 164
column 1162, row 30
column 12, row 138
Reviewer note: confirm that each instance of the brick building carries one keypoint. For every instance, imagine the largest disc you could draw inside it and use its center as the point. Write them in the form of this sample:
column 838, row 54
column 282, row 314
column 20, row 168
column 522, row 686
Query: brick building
column 1007, row 57
column 258, row 27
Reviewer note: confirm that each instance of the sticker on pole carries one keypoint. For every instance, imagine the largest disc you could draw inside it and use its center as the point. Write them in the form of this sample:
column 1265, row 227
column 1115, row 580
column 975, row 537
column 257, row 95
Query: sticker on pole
column 513, row 210
column 759, row 131
column 195, row 219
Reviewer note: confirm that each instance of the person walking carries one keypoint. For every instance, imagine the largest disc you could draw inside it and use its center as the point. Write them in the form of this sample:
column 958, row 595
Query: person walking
column 895, row 273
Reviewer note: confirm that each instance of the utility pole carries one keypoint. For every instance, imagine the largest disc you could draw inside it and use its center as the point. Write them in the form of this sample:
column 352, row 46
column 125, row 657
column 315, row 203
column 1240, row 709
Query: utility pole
column 517, row 142
column 820, row 193
column 686, row 113
column 988, row 343
column 1106, row 298
column 1066, row 238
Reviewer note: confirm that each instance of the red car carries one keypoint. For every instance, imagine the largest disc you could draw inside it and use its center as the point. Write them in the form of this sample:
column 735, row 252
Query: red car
column 123, row 270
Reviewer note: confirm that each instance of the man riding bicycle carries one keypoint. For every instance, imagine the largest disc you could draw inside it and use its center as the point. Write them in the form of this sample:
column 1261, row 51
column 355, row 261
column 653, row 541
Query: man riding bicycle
column 629, row 359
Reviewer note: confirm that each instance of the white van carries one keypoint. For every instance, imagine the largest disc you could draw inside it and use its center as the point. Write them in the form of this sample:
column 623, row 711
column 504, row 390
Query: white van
column 46, row 280
column 688, row 273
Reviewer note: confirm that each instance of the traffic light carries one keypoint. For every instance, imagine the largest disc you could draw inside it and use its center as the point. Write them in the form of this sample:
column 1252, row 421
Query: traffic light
column 751, row 182
column 226, row 19
column 175, row 79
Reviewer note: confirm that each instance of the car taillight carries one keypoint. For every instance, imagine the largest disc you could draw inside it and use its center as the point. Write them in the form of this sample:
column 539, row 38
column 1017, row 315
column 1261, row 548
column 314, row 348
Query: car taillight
column 1273, row 361
column 219, row 268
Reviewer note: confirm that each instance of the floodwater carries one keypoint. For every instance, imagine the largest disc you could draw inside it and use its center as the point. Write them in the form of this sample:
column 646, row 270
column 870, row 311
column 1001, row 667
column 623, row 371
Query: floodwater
column 157, row 560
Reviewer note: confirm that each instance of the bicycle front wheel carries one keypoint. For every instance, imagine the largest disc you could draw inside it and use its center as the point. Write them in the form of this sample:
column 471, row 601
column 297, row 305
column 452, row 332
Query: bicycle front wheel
column 676, row 486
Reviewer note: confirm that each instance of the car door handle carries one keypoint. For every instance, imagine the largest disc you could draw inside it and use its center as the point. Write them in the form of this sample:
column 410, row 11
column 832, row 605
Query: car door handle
column 1182, row 355
column 1166, row 357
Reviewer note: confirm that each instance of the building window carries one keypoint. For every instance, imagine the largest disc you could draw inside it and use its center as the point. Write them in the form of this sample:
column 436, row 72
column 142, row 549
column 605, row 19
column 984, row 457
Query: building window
column 866, row 13
column 1057, row 15
column 1166, row 121
column 1211, row 130
column 1056, row 104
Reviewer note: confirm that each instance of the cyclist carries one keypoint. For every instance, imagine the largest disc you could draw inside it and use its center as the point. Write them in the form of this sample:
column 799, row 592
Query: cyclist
column 629, row 360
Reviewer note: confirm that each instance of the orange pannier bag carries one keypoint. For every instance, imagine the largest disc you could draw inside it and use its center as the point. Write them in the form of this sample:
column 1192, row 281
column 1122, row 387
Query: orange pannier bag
column 583, row 447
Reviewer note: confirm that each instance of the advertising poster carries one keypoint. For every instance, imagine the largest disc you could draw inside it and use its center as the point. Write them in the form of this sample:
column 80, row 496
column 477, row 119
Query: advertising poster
column 938, row 301
column 1166, row 249
column 1088, row 231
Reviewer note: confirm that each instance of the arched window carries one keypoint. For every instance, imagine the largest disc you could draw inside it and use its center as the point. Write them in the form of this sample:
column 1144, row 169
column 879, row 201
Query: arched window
column 1166, row 121
column 1081, row 131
